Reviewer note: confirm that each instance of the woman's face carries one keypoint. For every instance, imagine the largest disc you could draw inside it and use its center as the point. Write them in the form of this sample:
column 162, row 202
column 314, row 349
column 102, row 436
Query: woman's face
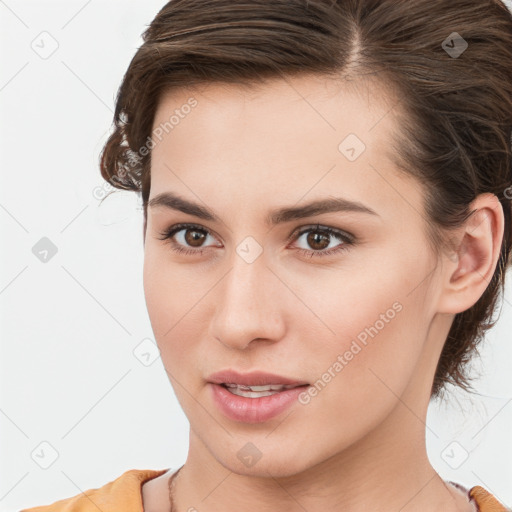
column 352, row 312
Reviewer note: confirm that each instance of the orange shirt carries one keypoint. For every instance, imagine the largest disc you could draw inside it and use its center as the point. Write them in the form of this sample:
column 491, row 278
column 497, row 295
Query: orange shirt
column 124, row 494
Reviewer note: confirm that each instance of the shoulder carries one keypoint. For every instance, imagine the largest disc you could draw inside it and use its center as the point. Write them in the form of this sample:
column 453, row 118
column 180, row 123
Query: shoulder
column 123, row 493
column 485, row 500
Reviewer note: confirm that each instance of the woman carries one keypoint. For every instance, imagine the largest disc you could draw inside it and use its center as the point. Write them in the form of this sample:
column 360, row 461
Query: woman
column 326, row 232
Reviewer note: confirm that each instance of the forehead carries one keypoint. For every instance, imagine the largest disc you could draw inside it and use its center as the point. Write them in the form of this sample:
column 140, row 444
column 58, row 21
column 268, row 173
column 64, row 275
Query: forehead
column 300, row 135
column 325, row 101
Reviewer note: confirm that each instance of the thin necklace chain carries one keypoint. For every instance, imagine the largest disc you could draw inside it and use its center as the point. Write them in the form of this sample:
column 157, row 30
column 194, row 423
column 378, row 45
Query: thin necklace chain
column 171, row 488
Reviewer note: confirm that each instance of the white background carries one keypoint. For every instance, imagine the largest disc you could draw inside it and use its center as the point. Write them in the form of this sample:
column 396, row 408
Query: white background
column 70, row 326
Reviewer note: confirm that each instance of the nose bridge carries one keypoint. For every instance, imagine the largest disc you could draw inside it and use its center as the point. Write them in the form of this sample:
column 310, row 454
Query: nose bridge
column 247, row 303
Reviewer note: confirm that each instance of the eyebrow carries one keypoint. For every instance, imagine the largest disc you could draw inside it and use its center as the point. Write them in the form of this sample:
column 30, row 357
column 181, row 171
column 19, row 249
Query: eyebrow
column 278, row 216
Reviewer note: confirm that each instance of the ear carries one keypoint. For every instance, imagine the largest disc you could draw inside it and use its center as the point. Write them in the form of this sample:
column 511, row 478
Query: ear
column 468, row 271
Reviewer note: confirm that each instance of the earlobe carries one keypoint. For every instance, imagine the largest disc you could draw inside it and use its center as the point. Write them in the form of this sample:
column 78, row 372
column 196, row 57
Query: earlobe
column 477, row 254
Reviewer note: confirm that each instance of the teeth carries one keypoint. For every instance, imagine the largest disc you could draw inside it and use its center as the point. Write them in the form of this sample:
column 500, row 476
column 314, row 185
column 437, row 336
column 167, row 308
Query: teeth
column 256, row 391
column 251, row 394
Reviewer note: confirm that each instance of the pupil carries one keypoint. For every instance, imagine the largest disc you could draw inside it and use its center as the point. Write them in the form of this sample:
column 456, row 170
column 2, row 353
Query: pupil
column 195, row 237
column 315, row 239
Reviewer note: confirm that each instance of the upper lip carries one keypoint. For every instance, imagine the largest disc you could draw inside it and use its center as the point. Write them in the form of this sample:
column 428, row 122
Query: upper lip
column 255, row 378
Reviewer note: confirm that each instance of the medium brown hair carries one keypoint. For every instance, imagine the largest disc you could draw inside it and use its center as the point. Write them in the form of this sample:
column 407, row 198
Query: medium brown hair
column 455, row 130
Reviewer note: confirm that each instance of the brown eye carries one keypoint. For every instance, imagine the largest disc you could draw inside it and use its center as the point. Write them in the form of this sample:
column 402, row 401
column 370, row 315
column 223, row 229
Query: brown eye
column 187, row 238
column 194, row 237
column 190, row 239
column 317, row 240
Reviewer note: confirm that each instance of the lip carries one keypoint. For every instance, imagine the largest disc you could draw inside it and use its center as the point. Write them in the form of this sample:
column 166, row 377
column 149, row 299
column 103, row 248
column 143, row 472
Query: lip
column 253, row 410
column 256, row 378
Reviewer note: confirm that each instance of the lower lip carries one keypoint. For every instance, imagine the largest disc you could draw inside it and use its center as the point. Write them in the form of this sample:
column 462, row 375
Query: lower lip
column 254, row 410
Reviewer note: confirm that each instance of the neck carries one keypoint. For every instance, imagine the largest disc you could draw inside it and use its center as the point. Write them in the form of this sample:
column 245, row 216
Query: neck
column 387, row 470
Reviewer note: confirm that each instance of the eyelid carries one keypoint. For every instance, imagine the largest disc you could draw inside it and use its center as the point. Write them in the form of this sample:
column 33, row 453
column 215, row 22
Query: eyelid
column 295, row 233
column 346, row 239
column 168, row 233
column 320, row 227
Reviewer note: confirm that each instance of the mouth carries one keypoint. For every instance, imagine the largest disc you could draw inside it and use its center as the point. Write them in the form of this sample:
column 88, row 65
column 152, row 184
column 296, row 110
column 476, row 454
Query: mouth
column 253, row 397
column 258, row 391
column 256, row 403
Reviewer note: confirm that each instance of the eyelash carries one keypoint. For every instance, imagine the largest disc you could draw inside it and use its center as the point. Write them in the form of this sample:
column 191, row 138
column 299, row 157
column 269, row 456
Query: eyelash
column 347, row 239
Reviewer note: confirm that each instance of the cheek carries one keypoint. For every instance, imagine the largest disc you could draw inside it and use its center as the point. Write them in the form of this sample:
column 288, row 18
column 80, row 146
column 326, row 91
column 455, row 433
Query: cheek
column 173, row 301
column 154, row 293
column 359, row 378
column 378, row 326
column 164, row 294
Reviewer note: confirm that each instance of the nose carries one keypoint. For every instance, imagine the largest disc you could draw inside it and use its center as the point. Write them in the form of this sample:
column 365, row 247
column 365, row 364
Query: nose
column 251, row 303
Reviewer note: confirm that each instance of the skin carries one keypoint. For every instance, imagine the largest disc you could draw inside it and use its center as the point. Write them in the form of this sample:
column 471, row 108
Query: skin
column 360, row 443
